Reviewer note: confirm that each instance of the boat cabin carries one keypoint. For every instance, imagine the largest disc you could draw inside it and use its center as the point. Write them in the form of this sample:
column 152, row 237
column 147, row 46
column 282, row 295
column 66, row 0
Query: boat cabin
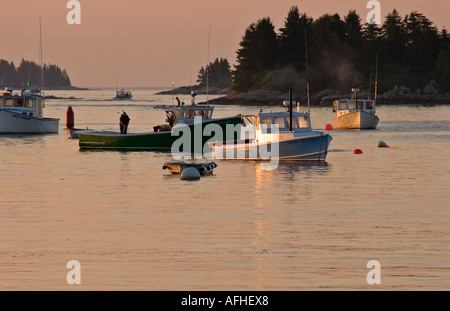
column 344, row 106
column 187, row 114
column 262, row 121
column 26, row 103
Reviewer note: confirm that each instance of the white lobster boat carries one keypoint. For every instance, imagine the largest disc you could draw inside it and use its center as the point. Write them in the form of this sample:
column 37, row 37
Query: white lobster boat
column 355, row 113
column 23, row 113
column 277, row 135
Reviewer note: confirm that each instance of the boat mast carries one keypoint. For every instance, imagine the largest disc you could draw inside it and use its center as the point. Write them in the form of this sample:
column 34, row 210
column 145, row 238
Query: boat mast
column 41, row 59
column 307, row 77
column 290, row 109
column 207, row 65
column 376, row 77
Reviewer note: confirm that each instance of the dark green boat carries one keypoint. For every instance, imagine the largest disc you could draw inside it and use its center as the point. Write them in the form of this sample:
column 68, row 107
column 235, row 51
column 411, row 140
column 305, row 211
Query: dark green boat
column 190, row 119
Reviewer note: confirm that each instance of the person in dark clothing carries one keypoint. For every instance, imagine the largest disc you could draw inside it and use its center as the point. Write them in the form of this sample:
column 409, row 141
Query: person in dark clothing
column 124, row 121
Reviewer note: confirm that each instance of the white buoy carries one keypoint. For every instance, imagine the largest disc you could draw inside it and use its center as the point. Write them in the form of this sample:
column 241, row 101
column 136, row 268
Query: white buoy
column 189, row 173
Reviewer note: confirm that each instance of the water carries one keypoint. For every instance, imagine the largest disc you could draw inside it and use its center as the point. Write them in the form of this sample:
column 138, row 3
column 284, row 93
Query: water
column 133, row 226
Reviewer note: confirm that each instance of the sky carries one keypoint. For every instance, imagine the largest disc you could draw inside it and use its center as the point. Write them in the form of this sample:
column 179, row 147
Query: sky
column 148, row 43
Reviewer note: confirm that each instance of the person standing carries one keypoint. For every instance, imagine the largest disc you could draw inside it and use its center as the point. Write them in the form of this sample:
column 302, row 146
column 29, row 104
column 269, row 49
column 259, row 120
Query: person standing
column 124, row 121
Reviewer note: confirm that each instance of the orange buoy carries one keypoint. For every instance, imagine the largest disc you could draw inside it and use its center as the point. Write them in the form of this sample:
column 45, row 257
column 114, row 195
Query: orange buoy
column 357, row 151
column 70, row 118
column 328, row 127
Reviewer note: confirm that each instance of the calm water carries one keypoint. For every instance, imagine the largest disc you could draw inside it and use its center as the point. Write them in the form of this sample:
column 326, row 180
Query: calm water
column 133, row 226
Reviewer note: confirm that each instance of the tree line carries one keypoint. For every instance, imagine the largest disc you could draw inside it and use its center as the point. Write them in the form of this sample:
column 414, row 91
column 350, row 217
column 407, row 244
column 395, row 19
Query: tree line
column 28, row 73
column 340, row 53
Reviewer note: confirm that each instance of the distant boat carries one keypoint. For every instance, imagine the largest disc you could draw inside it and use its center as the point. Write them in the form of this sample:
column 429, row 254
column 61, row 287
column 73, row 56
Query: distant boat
column 294, row 139
column 355, row 113
column 123, row 95
column 23, row 113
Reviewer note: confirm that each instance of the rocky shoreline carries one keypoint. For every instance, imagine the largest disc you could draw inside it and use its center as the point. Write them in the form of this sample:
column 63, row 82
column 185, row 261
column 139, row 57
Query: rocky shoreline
column 430, row 95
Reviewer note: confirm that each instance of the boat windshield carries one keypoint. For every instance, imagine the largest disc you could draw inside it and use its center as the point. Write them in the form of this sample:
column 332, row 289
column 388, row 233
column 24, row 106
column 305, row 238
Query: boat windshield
column 280, row 121
column 8, row 102
column 29, row 103
column 351, row 105
column 342, row 105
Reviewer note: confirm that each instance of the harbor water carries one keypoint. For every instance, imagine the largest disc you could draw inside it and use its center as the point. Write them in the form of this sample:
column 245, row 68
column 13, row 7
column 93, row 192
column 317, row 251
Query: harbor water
column 303, row 226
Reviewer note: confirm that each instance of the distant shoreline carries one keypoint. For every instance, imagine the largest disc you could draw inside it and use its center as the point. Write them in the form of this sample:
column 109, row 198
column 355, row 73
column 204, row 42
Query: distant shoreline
column 325, row 99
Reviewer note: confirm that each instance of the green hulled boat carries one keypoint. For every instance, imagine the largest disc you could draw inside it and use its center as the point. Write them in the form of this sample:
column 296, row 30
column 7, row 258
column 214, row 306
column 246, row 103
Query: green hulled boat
column 191, row 119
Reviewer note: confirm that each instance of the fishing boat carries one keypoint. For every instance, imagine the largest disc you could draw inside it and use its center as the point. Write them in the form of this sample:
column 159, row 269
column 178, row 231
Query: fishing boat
column 23, row 113
column 276, row 135
column 193, row 117
column 355, row 113
column 123, row 95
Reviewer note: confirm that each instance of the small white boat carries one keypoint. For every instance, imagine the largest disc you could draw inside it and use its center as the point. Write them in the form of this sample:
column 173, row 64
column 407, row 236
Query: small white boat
column 355, row 113
column 177, row 167
column 123, row 95
column 23, row 113
column 275, row 138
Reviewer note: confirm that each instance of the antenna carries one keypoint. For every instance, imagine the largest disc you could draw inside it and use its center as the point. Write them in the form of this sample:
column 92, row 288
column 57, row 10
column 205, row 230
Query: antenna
column 376, row 77
column 41, row 59
column 207, row 64
column 307, row 76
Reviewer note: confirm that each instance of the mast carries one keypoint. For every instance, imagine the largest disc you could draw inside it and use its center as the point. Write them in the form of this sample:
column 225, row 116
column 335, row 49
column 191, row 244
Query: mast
column 207, row 64
column 376, row 77
column 41, row 59
column 290, row 109
column 307, row 77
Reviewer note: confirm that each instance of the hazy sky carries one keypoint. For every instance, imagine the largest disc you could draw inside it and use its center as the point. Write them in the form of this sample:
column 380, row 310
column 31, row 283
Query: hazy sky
column 154, row 43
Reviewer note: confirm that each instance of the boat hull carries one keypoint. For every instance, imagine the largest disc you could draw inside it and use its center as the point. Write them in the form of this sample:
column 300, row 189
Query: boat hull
column 356, row 120
column 306, row 148
column 15, row 123
column 146, row 141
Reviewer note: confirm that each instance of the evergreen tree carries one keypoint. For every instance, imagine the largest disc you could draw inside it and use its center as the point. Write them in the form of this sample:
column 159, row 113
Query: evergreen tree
column 393, row 35
column 423, row 44
column 292, row 39
column 442, row 70
column 256, row 56
column 216, row 74
column 353, row 31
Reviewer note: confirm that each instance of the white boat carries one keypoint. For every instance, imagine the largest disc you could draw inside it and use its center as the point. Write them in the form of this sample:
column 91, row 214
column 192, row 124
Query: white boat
column 355, row 113
column 23, row 113
column 274, row 138
column 123, row 95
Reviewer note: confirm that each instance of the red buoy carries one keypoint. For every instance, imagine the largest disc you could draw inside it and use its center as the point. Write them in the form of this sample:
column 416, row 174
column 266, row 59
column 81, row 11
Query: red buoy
column 70, row 118
column 328, row 127
column 357, row 151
